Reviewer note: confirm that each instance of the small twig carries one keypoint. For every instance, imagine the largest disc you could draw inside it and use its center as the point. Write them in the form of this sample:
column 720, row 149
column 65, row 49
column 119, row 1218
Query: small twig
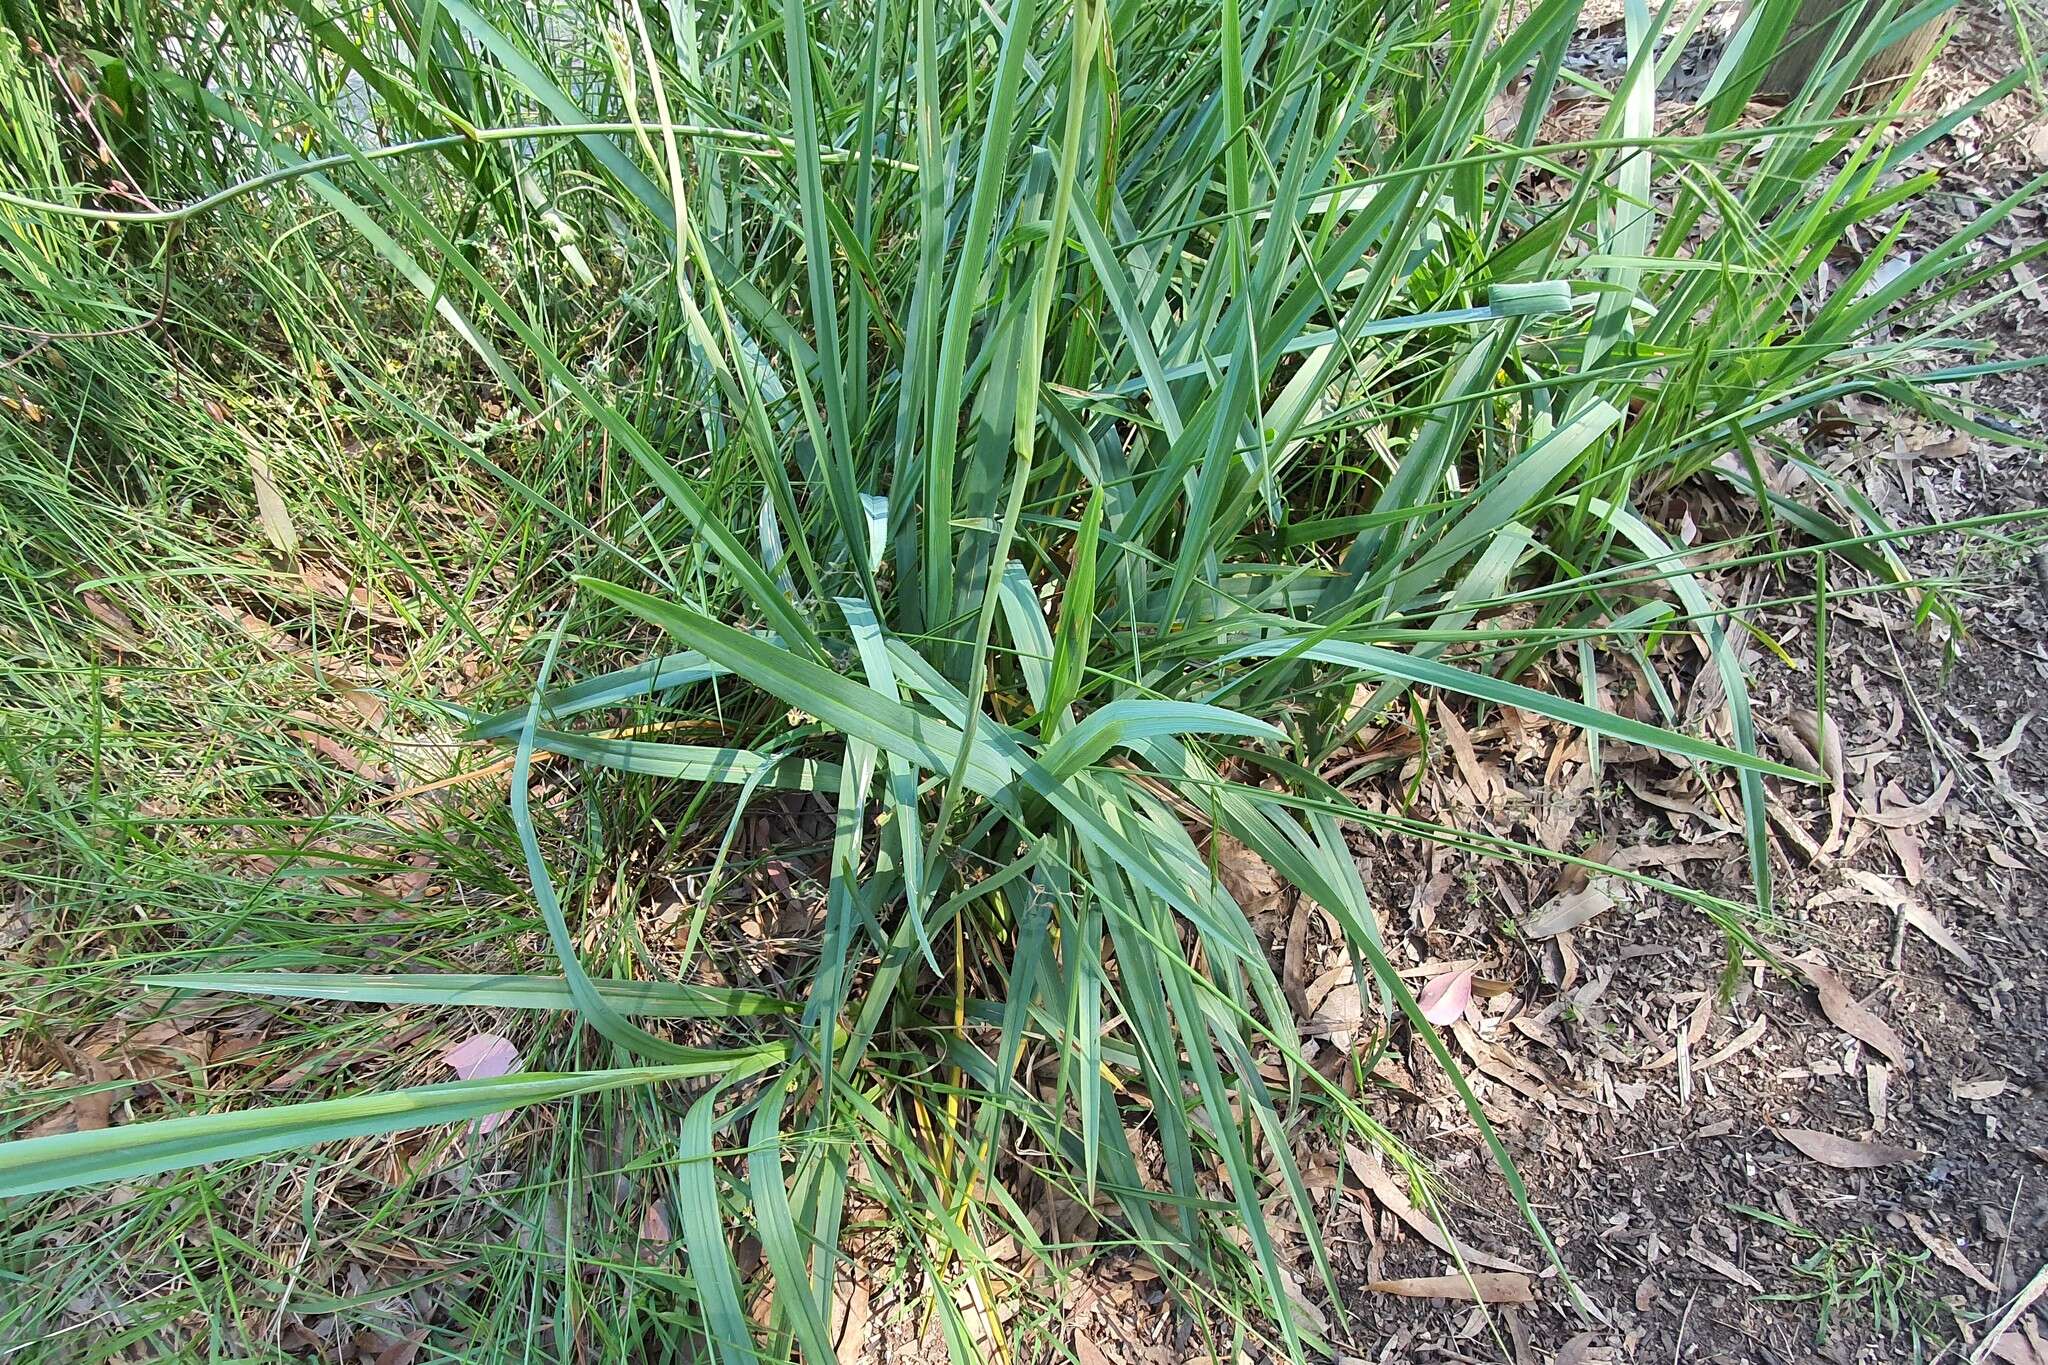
column 1685, row 1318
column 2011, row 1219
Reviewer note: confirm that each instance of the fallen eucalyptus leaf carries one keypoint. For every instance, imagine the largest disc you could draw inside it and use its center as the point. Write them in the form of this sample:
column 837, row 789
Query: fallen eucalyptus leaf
column 1497, row 1286
column 1389, row 1193
column 1939, row 934
column 1567, row 912
column 1845, row 1153
column 1849, row 1015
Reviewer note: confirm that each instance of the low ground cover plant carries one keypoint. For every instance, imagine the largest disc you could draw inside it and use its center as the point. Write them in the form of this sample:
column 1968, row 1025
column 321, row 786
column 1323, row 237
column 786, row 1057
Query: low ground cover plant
column 972, row 468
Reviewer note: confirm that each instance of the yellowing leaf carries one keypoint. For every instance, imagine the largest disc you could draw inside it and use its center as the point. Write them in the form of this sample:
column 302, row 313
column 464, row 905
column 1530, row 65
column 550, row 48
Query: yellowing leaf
column 270, row 507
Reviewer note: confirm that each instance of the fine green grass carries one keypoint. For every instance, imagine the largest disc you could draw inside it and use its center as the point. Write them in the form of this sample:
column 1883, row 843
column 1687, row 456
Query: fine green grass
column 1855, row 1282
column 940, row 462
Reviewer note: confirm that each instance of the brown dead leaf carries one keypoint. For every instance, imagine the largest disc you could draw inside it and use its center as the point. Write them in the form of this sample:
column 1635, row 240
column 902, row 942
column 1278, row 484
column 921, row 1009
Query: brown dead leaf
column 1734, row 1045
column 81, row 1114
column 2016, row 1309
column 1294, row 957
column 654, row 1229
column 1575, row 878
column 1248, row 878
column 1582, row 1350
column 1845, row 1153
column 850, row 1319
column 2002, row 750
column 151, row 1053
column 1977, row 1090
column 1820, row 734
column 1484, row 1287
column 2012, row 1347
column 1690, row 1036
column 341, row 754
column 1955, row 444
column 324, row 584
column 1559, row 964
column 405, row 1350
column 1670, row 855
column 1504, row 111
column 1902, row 813
column 1795, row 833
column 1429, row 898
column 1681, row 804
column 1937, row 933
column 1389, row 1193
column 1860, row 888
column 1906, row 847
column 280, row 644
column 1849, row 1015
column 1725, row 1268
column 1481, row 780
column 1793, row 747
column 1087, row 1352
column 302, row 1340
column 367, row 704
column 1949, row 1254
column 127, row 639
column 1335, row 1008
column 323, row 1063
column 1568, row 911
column 1518, row 1074
column 1305, row 1310
column 159, row 1049
column 17, row 921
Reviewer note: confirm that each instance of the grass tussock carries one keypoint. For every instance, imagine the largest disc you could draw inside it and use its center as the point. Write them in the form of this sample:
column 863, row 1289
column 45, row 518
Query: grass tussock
column 486, row 490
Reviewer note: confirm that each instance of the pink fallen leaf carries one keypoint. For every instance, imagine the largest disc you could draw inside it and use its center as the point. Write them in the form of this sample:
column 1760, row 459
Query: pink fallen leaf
column 480, row 1056
column 1444, row 998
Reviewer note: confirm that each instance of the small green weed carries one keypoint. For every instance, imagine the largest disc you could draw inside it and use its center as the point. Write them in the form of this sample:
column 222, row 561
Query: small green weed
column 1854, row 1277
